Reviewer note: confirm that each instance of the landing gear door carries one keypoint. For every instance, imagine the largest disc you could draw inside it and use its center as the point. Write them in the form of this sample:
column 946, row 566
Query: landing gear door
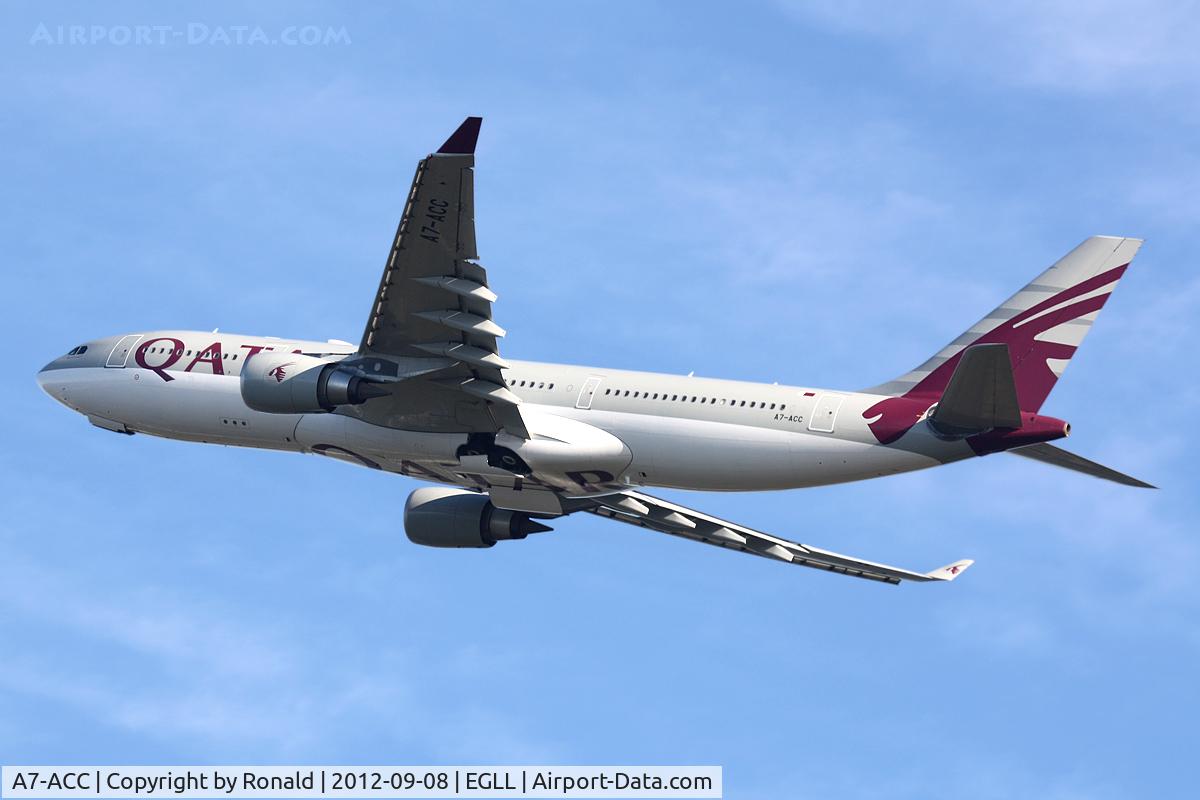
column 120, row 353
column 587, row 392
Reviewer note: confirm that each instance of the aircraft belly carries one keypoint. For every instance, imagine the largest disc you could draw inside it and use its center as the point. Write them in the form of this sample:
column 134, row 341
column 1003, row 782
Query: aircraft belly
column 691, row 454
column 821, row 460
column 576, row 459
column 331, row 434
column 714, row 456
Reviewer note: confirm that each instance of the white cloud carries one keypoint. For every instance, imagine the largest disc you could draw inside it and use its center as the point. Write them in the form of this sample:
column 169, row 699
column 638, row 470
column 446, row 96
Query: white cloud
column 1058, row 44
column 208, row 677
column 974, row 772
column 1170, row 193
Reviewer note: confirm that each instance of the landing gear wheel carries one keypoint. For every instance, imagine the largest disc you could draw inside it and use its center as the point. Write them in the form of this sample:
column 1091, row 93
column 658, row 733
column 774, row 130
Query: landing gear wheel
column 480, row 444
column 503, row 458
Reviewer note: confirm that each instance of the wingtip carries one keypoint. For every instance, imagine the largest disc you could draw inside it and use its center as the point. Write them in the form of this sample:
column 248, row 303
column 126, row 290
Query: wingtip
column 463, row 140
column 950, row 571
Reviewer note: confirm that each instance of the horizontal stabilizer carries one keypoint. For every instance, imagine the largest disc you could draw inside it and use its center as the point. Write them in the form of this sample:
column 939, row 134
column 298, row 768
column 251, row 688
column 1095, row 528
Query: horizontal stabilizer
column 1049, row 454
column 981, row 394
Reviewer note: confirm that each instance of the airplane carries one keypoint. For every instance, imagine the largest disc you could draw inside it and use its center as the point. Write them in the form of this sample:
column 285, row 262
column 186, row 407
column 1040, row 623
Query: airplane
column 515, row 444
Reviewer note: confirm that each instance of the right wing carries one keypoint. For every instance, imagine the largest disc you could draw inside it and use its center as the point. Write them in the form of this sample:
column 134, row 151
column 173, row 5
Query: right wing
column 654, row 514
column 431, row 322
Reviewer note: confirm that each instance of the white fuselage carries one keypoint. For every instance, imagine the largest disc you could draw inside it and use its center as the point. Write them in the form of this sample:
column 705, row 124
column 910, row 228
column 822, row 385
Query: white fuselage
column 594, row 429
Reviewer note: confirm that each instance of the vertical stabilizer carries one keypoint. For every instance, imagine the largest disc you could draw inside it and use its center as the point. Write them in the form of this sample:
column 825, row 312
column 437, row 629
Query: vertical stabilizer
column 1042, row 325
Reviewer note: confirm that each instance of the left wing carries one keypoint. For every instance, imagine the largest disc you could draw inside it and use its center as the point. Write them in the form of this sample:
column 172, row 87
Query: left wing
column 431, row 322
column 649, row 512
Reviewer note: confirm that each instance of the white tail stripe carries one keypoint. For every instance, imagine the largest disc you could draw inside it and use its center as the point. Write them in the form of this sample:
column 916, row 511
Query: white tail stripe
column 1103, row 290
column 1067, row 333
column 1094, row 256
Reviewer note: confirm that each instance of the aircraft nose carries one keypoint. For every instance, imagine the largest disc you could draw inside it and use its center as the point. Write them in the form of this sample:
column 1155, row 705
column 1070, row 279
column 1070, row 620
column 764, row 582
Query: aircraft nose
column 51, row 383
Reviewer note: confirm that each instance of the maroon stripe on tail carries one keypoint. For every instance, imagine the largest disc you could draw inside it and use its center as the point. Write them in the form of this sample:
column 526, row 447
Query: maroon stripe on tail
column 890, row 419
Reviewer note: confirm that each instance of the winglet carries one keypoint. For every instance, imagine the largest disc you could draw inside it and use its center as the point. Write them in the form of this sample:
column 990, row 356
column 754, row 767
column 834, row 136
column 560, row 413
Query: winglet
column 950, row 571
column 462, row 141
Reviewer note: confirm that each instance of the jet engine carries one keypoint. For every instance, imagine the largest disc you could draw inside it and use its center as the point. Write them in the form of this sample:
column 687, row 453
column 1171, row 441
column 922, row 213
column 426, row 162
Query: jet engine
column 291, row 383
column 444, row 517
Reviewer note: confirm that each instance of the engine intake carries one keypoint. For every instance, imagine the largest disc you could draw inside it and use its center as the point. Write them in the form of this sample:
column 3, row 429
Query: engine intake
column 444, row 517
column 291, row 383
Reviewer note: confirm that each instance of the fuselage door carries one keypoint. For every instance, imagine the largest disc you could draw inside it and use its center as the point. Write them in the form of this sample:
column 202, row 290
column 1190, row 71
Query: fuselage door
column 120, row 353
column 825, row 414
column 587, row 392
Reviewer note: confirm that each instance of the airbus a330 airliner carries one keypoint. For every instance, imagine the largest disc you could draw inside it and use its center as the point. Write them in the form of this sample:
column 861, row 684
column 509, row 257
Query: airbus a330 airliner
column 425, row 393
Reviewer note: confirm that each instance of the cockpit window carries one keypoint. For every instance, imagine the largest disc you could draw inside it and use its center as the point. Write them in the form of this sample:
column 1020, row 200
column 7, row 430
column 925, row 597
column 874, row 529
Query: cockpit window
column 78, row 351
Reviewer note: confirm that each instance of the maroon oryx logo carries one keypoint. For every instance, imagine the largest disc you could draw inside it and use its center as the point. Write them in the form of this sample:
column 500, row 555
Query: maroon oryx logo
column 280, row 372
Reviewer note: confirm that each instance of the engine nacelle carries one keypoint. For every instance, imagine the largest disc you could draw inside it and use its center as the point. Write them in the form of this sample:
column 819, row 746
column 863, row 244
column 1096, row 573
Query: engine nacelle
column 292, row 383
column 444, row 517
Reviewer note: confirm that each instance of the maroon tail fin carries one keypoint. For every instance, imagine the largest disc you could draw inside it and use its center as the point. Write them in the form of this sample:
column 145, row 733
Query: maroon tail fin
column 1042, row 326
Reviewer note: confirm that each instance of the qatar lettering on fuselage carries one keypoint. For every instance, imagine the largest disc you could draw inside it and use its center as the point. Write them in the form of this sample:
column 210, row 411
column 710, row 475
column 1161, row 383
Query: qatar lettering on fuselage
column 212, row 355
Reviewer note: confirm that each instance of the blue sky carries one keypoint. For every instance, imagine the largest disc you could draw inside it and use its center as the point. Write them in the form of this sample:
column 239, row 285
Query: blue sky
column 817, row 193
